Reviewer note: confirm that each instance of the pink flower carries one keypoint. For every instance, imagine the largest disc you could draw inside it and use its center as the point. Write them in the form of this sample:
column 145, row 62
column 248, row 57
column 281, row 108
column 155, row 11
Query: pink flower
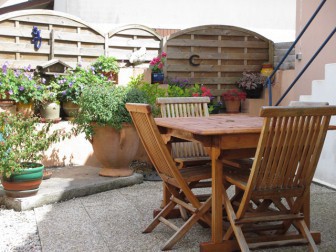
column 157, row 63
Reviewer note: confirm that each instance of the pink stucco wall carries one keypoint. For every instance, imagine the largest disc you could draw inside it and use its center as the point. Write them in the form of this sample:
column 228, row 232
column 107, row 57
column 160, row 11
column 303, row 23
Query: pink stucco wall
column 317, row 32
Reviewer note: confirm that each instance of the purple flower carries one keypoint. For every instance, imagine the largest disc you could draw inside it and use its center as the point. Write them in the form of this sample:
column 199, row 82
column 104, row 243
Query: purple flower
column 4, row 68
column 70, row 84
column 17, row 73
column 64, row 93
column 39, row 87
column 21, row 88
column 43, row 80
column 27, row 68
column 10, row 92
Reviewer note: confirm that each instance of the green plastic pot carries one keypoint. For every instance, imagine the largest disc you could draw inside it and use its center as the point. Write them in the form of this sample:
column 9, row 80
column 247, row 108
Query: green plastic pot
column 31, row 171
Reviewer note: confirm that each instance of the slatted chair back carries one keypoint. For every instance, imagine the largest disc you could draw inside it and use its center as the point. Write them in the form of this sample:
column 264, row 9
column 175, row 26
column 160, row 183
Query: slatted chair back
column 185, row 107
column 177, row 181
column 288, row 151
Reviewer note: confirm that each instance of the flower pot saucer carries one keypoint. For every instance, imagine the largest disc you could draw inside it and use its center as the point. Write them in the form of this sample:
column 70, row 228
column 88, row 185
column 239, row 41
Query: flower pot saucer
column 21, row 194
column 56, row 120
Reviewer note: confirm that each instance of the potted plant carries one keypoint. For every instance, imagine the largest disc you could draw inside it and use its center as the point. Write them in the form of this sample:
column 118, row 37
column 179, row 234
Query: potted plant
column 252, row 84
column 48, row 102
column 19, row 86
column 71, row 86
column 232, row 98
column 22, row 143
column 7, row 80
column 107, row 125
column 108, row 66
column 156, row 65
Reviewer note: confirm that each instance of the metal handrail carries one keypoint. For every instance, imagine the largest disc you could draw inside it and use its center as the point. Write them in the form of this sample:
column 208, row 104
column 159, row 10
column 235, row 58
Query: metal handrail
column 269, row 78
column 306, row 66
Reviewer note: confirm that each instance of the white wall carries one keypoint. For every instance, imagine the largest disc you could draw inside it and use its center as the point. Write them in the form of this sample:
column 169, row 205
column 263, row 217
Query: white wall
column 273, row 19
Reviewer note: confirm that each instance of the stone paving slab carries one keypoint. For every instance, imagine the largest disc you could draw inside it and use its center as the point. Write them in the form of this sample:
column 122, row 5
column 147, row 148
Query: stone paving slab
column 114, row 221
column 68, row 183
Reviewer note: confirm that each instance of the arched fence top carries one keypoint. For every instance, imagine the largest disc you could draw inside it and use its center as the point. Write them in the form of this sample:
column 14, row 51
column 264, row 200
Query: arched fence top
column 134, row 44
column 222, row 30
column 72, row 20
column 141, row 29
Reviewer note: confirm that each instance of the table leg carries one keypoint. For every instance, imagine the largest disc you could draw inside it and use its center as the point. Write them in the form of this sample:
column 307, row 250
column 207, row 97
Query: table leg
column 217, row 202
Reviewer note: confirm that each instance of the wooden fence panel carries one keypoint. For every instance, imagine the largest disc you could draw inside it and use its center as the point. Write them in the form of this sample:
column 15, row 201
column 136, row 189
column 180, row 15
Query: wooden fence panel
column 215, row 55
column 63, row 37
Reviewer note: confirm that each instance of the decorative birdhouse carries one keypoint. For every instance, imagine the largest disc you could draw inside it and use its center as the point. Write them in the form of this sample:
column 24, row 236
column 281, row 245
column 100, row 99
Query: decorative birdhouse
column 51, row 68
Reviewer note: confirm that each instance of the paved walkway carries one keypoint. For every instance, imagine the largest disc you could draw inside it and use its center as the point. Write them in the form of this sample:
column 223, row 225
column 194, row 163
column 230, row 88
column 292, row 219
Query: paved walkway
column 114, row 220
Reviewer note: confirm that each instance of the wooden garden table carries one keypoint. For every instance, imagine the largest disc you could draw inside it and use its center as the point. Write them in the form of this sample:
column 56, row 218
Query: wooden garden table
column 225, row 137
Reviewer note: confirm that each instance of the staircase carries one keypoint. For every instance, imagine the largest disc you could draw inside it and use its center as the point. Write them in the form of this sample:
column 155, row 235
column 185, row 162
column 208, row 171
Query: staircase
column 325, row 91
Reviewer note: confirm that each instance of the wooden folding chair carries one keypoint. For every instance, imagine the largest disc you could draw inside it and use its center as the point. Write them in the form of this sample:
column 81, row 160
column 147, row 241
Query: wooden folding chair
column 271, row 197
column 179, row 182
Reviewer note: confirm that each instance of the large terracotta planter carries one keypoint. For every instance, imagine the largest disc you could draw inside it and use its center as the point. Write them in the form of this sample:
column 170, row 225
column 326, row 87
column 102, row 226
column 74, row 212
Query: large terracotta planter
column 115, row 150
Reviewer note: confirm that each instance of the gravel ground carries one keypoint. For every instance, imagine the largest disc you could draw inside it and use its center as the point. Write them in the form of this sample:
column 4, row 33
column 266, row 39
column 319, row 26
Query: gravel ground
column 18, row 231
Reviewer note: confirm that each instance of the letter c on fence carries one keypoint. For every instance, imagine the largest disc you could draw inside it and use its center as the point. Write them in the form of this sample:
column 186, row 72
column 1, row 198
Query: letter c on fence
column 191, row 60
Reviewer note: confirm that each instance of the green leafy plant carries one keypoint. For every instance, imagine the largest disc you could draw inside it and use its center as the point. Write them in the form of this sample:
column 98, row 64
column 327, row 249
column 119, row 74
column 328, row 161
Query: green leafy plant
column 71, row 84
column 23, row 140
column 105, row 105
column 106, row 65
column 251, row 80
column 151, row 91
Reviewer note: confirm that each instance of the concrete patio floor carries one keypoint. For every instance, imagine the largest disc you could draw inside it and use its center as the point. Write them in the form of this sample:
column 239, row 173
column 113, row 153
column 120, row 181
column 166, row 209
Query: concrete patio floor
column 113, row 221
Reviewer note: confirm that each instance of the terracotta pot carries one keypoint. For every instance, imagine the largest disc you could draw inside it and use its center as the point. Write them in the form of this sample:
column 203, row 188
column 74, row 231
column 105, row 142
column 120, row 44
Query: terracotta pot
column 7, row 105
column 115, row 150
column 232, row 106
column 111, row 76
column 70, row 109
column 25, row 109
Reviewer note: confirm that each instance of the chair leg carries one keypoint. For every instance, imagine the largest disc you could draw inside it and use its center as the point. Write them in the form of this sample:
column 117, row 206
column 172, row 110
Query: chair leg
column 306, row 233
column 170, row 206
column 187, row 225
column 235, row 228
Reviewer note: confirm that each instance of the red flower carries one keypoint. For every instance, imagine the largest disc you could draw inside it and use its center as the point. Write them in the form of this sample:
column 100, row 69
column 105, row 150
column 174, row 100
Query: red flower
column 234, row 94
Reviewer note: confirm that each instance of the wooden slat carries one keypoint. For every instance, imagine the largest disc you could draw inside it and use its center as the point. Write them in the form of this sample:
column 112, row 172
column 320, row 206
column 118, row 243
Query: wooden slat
column 216, row 43
column 213, row 68
column 222, row 55
column 134, row 43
